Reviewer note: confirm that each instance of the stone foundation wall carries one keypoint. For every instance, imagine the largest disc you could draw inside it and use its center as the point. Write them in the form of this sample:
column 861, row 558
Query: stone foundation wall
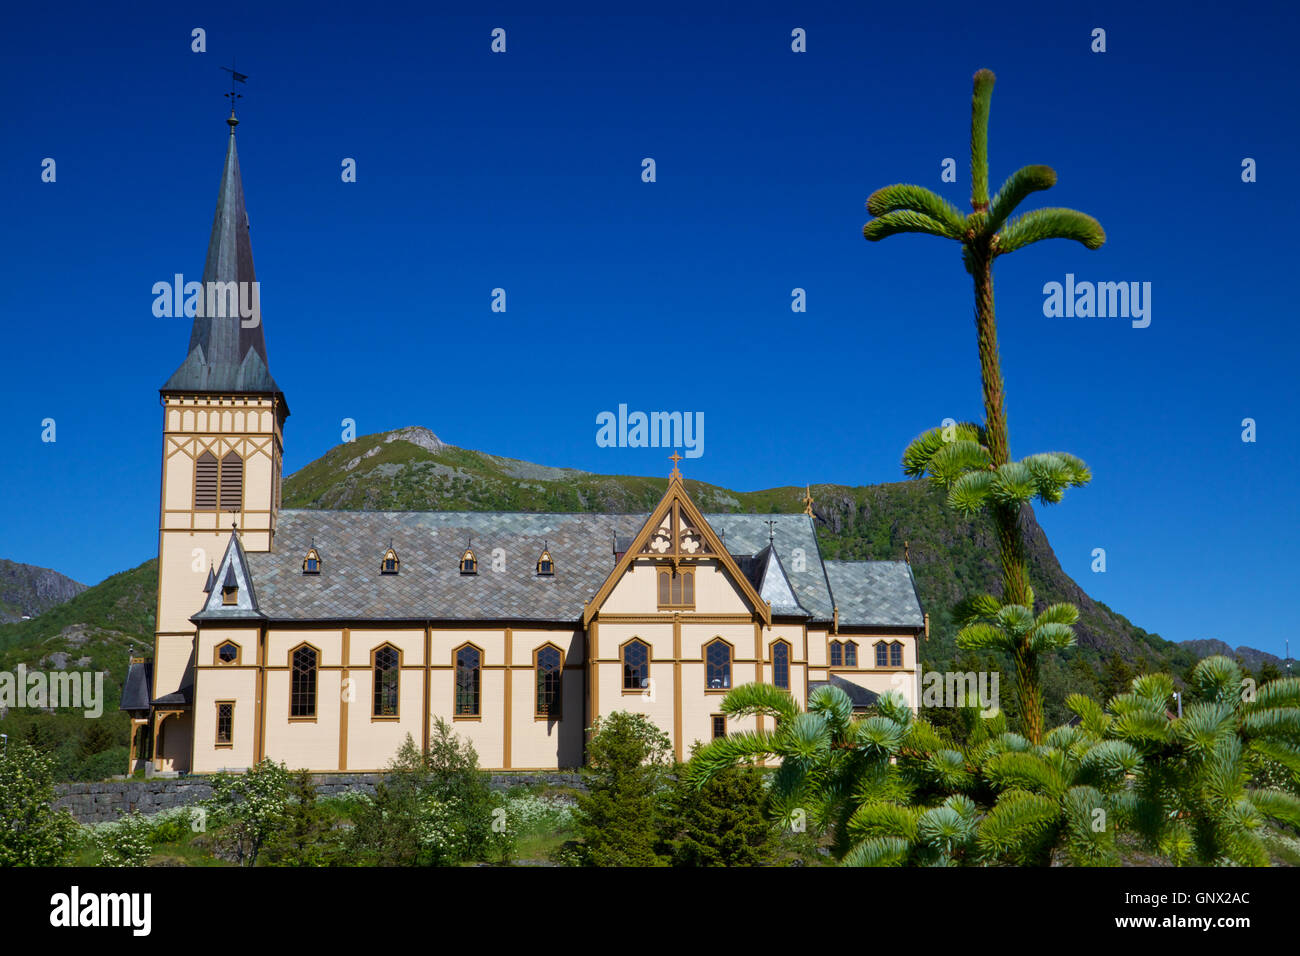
column 101, row 802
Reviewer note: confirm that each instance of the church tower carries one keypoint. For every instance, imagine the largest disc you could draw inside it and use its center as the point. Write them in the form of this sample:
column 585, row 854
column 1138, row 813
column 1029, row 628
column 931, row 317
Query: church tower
column 223, row 423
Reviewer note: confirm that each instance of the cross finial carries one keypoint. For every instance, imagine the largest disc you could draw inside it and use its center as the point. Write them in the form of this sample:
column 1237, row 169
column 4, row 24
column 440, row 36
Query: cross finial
column 771, row 531
column 907, row 552
column 675, row 458
column 807, row 500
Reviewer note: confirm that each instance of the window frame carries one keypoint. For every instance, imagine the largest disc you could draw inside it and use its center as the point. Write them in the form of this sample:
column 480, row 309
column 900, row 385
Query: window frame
column 555, row 707
column 396, row 671
column 623, row 665
column 315, row 681
column 216, row 654
column 731, row 661
column 836, row 655
column 686, row 576
column 478, row 682
column 229, row 742
column 713, row 725
column 785, row 646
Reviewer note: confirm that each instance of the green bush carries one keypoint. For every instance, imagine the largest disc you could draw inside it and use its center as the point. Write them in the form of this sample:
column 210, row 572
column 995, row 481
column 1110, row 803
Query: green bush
column 621, row 815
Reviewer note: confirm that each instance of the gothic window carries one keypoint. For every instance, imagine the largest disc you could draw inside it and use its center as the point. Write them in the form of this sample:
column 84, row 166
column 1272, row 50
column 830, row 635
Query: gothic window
column 311, row 563
column 850, row 654
column 882, row 654
column 228, row 653
column 676, row 588
column 389, row 564
column 717, row 665
column 387, row 681
column 549, row 663
column 232, row 482
column 837, row 654
column 205, row 482
column 636, row 665
column 468, row 563
column 225, row 723
column 302, row 682
column 895, row 654
column 468, row 681
column 781, row 665
column 545, row 566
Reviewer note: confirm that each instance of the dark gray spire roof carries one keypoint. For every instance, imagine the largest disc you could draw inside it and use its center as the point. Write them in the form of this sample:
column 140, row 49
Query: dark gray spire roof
column 224, row 356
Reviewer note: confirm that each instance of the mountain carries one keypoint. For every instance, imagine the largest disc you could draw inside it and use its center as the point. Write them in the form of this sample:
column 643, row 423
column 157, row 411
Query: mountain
column 26, row 590
column 1251, row 657
column 412, row 469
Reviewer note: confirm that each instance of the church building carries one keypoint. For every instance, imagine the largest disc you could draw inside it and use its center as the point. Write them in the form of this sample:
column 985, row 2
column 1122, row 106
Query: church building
column 323, row 638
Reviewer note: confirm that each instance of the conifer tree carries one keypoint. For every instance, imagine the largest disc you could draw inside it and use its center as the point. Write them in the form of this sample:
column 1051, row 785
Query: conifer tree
column 977, row 467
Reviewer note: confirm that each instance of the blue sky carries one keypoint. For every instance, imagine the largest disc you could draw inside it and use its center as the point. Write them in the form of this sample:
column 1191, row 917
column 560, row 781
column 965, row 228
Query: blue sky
column 523, row 171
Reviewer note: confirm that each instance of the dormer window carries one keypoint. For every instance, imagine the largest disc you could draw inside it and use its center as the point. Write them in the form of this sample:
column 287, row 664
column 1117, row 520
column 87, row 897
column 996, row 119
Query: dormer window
column 468, row 563
column 311, row 563
column 230, row 587
column 389, row 564
column 545, row 566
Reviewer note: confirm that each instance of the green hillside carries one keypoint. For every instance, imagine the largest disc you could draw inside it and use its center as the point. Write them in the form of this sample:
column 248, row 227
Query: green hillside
column 411, row 469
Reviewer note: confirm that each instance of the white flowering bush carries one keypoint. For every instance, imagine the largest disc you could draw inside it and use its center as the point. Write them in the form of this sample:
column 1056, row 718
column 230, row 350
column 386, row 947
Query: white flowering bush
column 249, row 806
column 441, row 831
column 533, row 814
column 127, row 841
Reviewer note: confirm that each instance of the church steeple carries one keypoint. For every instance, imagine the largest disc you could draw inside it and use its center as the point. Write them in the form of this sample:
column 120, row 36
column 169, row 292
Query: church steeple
column 227, row 352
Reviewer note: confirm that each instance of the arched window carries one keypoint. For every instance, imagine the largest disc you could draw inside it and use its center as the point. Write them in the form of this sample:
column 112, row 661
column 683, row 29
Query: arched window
column 882, row 654
column 389, row 564
column 302, row 682
column 717, row 665
column 227, row 652
column 549, row 663
column 545, row 565
column 205, row 482
column 676, row 588
column 636, row 665
column 232, row 482
column 837, row 654
column 896, row 654
column 469, row 664
column 781, row 665
column 468, row 563
column 311, row 563
column 850, row 654
column 388, row 676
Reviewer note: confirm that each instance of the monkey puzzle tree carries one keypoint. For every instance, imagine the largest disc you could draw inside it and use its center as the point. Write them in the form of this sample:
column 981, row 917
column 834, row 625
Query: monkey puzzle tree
column 989, row 232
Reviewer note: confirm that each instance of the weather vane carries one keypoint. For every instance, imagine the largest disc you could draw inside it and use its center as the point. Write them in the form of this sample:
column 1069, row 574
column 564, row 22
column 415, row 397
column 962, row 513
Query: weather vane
column 235, row 77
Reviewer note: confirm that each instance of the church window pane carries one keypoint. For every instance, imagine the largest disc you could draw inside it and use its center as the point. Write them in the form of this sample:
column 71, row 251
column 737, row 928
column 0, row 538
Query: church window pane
column 717, row 665
column 468, row 677
column 387, row 681
column 636, row 666
column 549, row 675
column 302, row 689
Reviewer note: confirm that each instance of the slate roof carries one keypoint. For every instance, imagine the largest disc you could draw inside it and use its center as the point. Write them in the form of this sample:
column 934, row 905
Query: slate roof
column 223, row 355
column 875, row 593
column 429, row 544
column 860, row 696
column 135, row 691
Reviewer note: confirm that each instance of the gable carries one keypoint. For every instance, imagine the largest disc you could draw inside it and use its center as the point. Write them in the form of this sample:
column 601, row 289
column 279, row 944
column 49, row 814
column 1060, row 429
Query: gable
column 676, row 536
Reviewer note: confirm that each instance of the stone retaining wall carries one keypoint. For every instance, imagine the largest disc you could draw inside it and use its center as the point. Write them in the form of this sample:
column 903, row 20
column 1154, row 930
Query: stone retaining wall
column 100, row 802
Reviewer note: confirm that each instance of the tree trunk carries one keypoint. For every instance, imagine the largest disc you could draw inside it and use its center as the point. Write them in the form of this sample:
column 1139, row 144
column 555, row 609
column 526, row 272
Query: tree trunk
column 1006, row 519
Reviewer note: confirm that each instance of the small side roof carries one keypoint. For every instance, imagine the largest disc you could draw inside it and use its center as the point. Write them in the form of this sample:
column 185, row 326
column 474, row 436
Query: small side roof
column 875, row 593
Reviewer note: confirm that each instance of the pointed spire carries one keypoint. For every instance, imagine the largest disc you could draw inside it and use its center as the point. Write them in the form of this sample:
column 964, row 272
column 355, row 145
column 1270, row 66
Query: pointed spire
column 227, row 353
